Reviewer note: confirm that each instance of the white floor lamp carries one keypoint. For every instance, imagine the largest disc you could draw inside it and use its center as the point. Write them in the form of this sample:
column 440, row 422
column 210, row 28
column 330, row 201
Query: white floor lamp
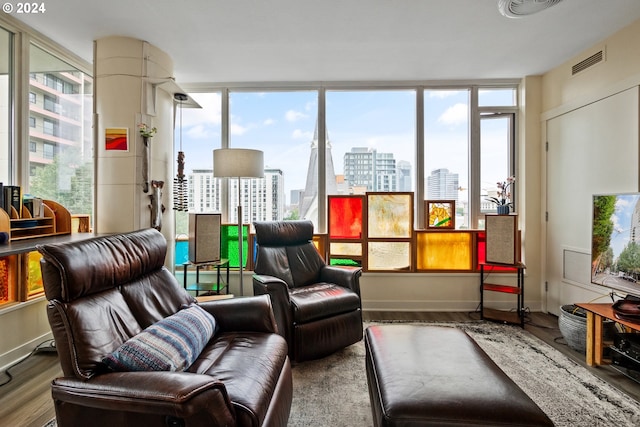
column 238, row 163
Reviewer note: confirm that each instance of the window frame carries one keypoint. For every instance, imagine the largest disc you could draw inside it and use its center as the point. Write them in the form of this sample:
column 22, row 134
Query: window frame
column 19, row 168
column 419, row 88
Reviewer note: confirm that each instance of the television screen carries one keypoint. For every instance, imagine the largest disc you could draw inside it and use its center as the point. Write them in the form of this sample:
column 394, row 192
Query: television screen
column 615, row 242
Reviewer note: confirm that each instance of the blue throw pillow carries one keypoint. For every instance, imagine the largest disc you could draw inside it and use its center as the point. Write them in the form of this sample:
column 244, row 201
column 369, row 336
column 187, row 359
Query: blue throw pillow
column 171, row 344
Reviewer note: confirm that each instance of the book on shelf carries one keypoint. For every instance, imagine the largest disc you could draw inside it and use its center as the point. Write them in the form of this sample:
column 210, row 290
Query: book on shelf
column 13, row 198
column 34, row 205
column 38, row 208
column 16, row 199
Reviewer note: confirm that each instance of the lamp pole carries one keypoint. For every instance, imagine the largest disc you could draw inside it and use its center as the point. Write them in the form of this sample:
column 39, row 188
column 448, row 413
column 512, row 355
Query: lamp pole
column 238, row 163
column 240, row 240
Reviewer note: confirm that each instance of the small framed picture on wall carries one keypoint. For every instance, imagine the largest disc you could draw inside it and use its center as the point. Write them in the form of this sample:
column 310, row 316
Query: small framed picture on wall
column 116, row 139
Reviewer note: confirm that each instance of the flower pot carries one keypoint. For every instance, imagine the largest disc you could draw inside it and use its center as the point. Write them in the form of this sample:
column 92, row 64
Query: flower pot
column 573, row 327
column 503, row 209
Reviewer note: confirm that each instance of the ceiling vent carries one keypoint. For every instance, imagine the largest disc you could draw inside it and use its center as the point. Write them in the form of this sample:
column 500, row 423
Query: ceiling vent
column 592, row 60
column 520, row 8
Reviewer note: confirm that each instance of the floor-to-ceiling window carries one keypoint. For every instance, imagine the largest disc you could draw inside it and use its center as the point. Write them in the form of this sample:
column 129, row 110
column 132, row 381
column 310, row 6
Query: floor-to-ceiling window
column 52, row 100
column 447, row 133
column 372, row 136
column 497, row 124
column 60, row 132
column 440, row 143
column 8, row 292
column 282, row 124
column 6, row 65
column 197, row 134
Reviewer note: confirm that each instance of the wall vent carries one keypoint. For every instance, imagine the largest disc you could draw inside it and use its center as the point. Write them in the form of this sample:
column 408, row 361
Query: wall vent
column 594, row 59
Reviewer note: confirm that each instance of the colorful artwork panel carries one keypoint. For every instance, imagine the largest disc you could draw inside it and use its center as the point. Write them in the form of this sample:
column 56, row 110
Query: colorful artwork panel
column 229, row 244
column 34, row 285
column 116, row 139
column 345, row 217
column 345, row 249
column 390, row 215
column 440, row 213
column 4, row 280
column 444, row 251
column 389, row 256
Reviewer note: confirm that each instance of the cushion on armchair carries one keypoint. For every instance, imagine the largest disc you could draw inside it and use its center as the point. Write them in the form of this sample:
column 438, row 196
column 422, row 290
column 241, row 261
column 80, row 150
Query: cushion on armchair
column 171, row 344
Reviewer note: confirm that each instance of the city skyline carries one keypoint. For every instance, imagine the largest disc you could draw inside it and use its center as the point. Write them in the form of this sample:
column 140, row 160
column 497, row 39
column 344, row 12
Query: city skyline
column 381, row 120
column 283, row 125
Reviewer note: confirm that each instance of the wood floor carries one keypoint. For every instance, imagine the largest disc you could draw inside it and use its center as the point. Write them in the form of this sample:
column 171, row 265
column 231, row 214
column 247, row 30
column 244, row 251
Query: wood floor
column 26, row 399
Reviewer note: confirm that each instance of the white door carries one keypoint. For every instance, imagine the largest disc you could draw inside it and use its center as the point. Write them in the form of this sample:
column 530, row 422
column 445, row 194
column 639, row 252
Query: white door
column 591, row 150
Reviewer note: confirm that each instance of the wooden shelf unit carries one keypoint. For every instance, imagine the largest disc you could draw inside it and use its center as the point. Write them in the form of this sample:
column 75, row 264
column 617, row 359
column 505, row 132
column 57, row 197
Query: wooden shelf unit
column 517, row 316
column 23, row 283
column 56, row 221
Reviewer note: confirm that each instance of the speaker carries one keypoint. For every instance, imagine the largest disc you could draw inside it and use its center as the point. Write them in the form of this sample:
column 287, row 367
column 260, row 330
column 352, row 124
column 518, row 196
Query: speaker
column 502, row 245
column 204, row 237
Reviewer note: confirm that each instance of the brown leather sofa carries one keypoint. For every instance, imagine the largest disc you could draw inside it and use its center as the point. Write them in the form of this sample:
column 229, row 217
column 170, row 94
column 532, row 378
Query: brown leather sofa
column 108, row 290
column 317, row 306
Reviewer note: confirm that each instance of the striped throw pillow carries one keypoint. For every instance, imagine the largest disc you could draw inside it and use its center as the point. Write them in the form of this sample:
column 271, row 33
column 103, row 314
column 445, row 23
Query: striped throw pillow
column 171, row 344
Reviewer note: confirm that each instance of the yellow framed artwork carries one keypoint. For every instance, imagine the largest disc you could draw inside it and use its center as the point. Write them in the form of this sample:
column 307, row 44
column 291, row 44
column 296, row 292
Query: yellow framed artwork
column 440, row 214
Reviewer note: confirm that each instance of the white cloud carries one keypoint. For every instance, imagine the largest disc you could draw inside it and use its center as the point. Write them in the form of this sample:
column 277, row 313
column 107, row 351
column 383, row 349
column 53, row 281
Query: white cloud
column 200, row 132
column 269, row 122
column 236, row 129
column 455, row 115
column 292, row 116
column 210, row 113
column 300, row 134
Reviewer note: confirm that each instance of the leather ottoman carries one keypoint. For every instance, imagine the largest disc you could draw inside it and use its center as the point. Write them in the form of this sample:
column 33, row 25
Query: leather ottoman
column 439, row 376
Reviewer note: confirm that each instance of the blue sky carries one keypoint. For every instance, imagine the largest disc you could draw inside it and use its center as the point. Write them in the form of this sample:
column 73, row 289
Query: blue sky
column 621, row 218
column 282, row 125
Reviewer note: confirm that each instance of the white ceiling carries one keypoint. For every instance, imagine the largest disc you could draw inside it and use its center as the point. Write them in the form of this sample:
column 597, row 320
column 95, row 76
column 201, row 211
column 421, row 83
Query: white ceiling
column 339, row 40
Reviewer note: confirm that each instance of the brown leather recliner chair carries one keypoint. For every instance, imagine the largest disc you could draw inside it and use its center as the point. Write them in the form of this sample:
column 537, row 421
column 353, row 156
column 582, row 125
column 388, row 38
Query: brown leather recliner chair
column 317, row 307
column 108, row 290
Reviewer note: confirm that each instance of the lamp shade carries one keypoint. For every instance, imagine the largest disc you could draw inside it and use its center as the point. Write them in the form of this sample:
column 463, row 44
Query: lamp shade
column 238, row 163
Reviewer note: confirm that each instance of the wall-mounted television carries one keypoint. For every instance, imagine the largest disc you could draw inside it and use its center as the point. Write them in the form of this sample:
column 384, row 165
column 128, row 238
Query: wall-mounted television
column 615, row 242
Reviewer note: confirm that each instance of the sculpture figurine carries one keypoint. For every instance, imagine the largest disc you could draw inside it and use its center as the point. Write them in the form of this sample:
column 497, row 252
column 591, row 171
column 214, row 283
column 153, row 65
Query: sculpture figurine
column 157, row 208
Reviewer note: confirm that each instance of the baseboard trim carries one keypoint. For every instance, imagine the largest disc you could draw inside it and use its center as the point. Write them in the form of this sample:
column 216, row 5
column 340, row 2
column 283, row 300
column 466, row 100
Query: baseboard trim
column 15, row 355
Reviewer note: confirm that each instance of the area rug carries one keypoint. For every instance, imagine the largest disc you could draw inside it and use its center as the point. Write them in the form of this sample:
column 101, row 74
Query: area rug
column 332, row 392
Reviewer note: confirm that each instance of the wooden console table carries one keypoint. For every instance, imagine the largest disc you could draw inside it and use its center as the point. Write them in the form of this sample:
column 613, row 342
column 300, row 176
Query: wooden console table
column 596, row 313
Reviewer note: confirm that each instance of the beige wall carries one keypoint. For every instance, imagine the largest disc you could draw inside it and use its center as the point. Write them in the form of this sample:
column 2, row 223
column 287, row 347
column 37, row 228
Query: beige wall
column 24, row 326
column 621, row 65
column 563, row 96
column 129, row 74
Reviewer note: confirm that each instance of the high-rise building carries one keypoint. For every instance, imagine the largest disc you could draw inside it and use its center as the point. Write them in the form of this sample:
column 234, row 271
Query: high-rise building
column 57, row 116
column 60, row 133
column 634, row 229
column 204, row 192
column 262, row 198
column 404, row 176
column 370, row 170
column 442, row 185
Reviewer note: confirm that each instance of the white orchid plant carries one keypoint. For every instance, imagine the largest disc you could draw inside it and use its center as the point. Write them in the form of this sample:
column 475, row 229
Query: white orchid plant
column 504, row 192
